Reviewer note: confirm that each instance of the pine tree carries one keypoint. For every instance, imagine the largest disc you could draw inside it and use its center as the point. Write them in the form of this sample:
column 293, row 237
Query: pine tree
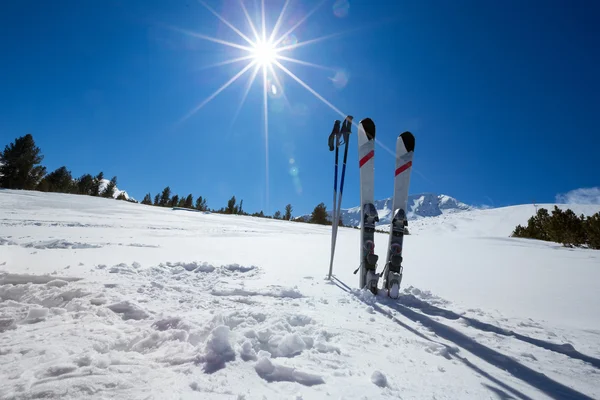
column 189, row 201
column 156, row 200
column 319, row 215
column 165, row 197
column 231, row 208
column 147, row 199
column 277, row 214
column 85, row 184
column 181, row 202
column 122, row 196
column 240, row 209
column 288, row 212
column 174, row 200
column 109, row 190
column 19, row 169
column 201, row 204
column 95, row 190
column 592, row 231
column 59, row 180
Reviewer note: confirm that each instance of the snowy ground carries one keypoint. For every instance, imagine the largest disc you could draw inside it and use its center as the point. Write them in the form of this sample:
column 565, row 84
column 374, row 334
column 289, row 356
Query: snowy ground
column 106, row 299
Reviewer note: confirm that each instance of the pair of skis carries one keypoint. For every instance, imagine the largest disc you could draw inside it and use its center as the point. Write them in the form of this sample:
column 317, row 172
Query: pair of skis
column 392, row 272
column 340, row 135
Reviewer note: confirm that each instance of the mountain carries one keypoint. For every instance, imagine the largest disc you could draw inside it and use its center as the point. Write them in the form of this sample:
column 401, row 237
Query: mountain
column 117, row 193
column 419, row 206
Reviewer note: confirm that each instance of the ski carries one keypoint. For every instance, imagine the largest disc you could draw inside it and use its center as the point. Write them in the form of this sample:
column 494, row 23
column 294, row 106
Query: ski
column 392, row 273
column 366, row 160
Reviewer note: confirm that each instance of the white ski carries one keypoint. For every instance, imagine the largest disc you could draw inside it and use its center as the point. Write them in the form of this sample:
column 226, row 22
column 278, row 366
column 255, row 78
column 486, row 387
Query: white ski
column 392, row 274
column 366, row 161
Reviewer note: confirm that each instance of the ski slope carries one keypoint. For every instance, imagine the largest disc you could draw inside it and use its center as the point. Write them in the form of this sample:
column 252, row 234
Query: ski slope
column 107, row 299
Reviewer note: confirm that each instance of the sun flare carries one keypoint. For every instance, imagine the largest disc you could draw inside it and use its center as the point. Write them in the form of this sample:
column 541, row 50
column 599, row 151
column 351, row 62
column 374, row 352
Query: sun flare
column 264, row 53
column 265, row 57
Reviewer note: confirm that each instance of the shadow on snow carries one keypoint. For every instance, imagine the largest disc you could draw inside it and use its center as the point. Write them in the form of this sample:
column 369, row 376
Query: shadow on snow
column 536, row 379
column 565, row 349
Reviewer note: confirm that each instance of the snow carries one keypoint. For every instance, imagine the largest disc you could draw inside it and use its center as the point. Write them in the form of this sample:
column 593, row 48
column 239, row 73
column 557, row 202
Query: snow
column 109, row 299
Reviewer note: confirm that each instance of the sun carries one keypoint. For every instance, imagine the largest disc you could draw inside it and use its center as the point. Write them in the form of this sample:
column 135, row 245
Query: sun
column 264, row 53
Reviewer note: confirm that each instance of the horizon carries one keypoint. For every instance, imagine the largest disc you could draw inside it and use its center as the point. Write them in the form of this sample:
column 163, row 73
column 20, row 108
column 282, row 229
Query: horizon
column 128, row 89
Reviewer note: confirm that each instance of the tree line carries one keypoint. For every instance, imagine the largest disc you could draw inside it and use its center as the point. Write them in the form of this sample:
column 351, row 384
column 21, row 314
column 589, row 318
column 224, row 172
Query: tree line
column 563, row 227
column 20, row 168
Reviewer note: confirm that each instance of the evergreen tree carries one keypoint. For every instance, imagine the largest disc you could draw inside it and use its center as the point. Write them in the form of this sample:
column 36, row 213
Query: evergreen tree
column 201, row 204
column 592, row 230
column 147, row 199
column 156, row 199
column 85, row 184
column 165, row 197
column 277, row 214
column 240, row 210
column 288, row 212
column 109, row 190
column 95, row 191
column 181, row 202
column 19, row 169
column 189, row 201
column 122, row 196
column 562, row 227
column 59, row 180
column 174, row 201
column 231, row 208
column 319, row 215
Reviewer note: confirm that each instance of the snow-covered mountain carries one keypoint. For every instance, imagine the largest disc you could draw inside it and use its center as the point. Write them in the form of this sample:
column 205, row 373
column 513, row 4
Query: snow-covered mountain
column 117, row 193
column 419, row 206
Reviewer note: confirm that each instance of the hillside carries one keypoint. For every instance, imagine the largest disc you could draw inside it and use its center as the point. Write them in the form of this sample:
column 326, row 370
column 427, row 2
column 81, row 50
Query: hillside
column 110, row 299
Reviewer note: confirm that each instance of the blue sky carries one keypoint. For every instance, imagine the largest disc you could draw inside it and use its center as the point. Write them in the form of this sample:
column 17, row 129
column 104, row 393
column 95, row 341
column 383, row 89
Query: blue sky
column 502, row 96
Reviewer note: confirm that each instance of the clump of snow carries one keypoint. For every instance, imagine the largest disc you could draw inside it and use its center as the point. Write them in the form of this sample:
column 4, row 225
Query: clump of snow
column 7, row 242
column 128, row 310
column 36, row 315
column 167, row 323
column 290, row 345
column 272, row 372
column 324, row 347
column 218, row 350
column 122, row 268
column 247, row 352
column 299, row 320
column 239, row 268
column 379, row 379
column 192, row 266
column 57, row 283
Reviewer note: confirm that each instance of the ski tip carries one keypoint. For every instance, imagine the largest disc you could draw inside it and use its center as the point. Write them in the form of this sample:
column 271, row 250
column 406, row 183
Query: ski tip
column 409, row 141
column 369, row 127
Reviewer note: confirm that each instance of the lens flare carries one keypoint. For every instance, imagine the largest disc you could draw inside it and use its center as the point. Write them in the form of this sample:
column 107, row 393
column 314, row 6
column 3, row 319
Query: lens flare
column 265, row 52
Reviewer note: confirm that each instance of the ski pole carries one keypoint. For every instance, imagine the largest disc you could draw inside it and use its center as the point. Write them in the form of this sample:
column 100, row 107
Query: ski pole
column 334, row 143
column 345, row 134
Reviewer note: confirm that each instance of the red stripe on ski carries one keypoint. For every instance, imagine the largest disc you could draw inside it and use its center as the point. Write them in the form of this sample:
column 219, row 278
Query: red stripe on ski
column 403, row 168
column 366, row 158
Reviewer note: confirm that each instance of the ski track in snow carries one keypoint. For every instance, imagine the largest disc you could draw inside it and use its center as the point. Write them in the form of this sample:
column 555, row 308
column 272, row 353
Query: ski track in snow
column 121, row 307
